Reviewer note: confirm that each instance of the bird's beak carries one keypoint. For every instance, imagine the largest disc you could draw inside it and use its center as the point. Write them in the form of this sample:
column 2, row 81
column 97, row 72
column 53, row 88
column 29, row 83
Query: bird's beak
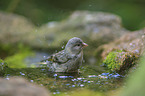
column 85, row 45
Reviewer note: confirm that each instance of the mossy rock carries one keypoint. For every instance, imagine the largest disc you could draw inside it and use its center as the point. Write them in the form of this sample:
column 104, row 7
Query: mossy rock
column 135, row 83
column 120, row 61
column 3, row 67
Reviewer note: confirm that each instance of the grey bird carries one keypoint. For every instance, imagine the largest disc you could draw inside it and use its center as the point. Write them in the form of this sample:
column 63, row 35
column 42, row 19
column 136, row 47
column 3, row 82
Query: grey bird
column 69, row 59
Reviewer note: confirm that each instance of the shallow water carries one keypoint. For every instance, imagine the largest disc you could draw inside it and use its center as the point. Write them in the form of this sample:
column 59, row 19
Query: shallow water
column 93, row 77
column 64, row 82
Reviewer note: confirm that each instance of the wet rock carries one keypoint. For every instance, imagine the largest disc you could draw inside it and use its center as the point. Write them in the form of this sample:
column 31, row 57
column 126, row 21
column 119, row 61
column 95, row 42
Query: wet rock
column 133, row 42
column 95, row 28
column 14, row 28
column 92, row 27
column 20, row 87
column 125, row 51
column 3, row 67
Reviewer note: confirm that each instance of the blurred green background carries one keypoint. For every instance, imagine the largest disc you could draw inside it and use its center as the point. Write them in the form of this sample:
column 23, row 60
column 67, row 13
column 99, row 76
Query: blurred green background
column 43, row 11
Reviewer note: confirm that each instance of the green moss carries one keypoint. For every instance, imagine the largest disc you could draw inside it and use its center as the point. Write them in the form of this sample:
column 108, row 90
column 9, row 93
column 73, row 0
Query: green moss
column 17, row 60
column 112, row 62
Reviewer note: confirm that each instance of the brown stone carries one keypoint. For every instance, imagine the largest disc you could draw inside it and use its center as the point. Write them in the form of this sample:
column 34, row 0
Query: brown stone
column 16, row 86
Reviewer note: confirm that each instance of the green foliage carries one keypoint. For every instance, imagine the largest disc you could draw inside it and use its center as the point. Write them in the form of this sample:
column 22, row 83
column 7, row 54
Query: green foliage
column 17, row 60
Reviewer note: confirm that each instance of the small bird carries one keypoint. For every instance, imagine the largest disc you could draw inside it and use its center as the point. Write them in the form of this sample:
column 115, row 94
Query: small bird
column 69, row 59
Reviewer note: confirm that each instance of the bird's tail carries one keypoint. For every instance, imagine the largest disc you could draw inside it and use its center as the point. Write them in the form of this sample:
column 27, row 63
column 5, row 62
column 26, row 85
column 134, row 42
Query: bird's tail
column 43, row 60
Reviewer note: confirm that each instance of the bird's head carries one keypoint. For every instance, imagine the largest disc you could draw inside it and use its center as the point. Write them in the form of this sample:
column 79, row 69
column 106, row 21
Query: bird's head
column 74, row 46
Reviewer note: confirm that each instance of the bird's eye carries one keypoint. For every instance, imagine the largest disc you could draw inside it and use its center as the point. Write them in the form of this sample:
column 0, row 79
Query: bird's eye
column 78, row 45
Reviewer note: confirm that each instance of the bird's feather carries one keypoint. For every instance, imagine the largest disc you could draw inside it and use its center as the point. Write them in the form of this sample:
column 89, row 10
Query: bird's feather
column 60, row 58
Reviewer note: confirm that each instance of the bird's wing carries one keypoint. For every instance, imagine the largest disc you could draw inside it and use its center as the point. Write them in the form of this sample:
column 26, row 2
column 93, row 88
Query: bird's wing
column 60, row 57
